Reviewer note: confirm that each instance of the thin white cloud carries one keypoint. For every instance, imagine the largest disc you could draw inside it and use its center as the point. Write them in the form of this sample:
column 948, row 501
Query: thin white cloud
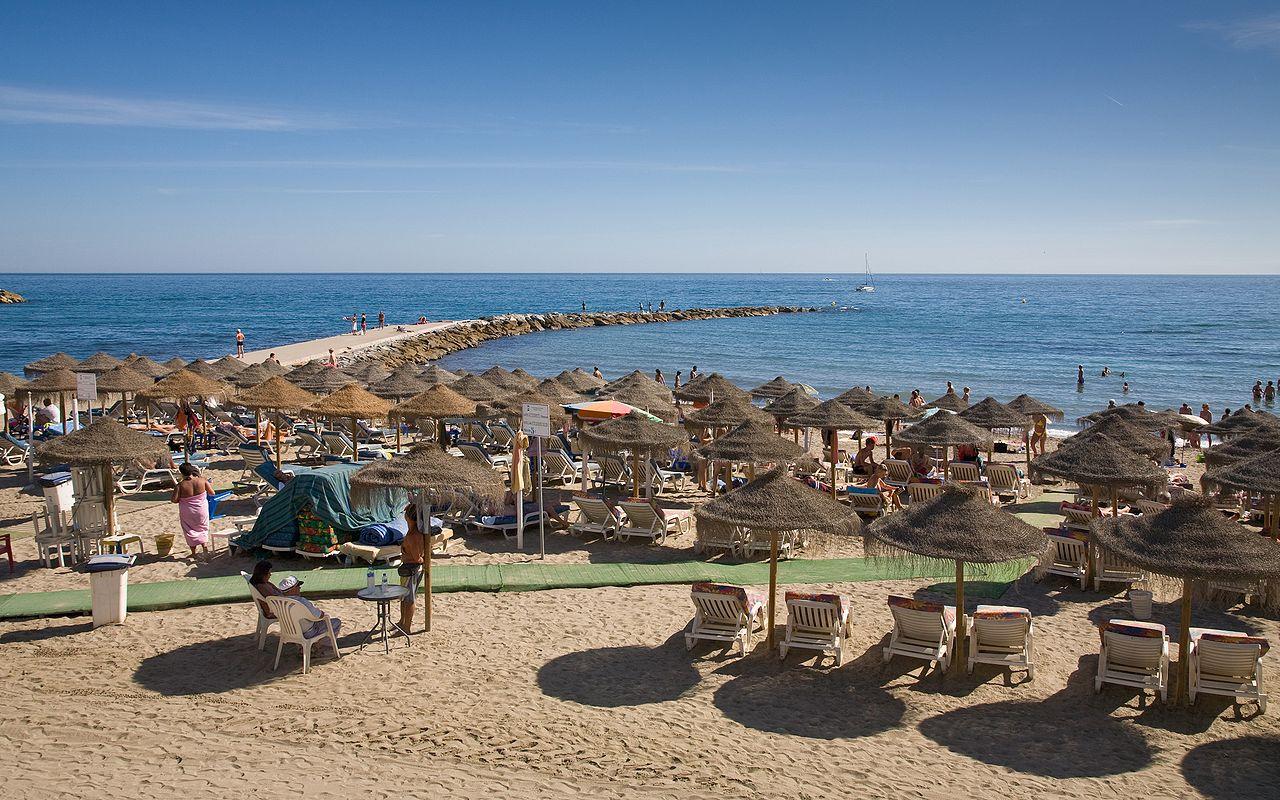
column 1112, row 99
column 20, row 105
column 1252, row 33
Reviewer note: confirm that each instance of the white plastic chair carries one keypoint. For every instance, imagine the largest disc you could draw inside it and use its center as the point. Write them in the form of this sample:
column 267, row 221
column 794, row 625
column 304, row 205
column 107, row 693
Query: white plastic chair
column 264, row 622
column 866, row 502
column 817, row 622
column 296, row 620
column 1110, row 568
column 556, row 466
column 1134, row 653
column 1002, row 635
column 1004, row 481
column 919, row 492
column 900, row 472
column 709, row 537
column 1227, row 663
column 964, row 472
column 923, row 630
column 724, row 613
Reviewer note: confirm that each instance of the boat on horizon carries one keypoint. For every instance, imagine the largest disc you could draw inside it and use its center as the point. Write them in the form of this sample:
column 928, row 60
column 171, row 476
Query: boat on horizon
column 867, row 286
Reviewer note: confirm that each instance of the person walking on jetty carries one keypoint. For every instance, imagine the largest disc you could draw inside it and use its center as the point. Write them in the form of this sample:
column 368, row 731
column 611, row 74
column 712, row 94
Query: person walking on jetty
column 239, row 343
column 364, row 323
column 382, row 319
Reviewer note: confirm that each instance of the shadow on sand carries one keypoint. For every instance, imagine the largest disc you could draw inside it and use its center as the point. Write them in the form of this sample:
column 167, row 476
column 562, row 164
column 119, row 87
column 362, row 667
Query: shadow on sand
column 614, row 677
column 1232, row 768
column 221, row 665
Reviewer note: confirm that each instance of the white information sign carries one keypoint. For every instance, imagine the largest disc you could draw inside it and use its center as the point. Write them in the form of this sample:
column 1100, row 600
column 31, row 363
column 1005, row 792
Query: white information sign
column 536, row 419
column 86, row 386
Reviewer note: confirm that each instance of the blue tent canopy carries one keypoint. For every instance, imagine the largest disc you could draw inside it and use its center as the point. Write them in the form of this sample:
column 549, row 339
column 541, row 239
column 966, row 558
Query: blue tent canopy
column 328, row 491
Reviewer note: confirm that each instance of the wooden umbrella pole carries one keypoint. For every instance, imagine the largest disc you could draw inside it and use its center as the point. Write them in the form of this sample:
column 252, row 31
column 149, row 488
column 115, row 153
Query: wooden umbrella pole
column 835, row 451
column 426, row 574
column 355, row 441
column 124, row 411
column 958, row 656
column 1026, row 446
column 635, row 473
column 397, row 424
column 278, row 448
column 773, row 583
column 109, row 499
column 1184, row 641
column 257, row 425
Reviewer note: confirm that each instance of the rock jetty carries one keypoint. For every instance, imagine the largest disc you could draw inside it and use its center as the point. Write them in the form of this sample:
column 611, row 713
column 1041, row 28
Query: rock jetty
column 8, row 298
column 432, row 346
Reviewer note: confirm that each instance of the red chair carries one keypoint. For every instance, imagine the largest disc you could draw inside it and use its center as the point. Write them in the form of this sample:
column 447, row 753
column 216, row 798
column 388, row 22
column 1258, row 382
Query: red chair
column 6, row 547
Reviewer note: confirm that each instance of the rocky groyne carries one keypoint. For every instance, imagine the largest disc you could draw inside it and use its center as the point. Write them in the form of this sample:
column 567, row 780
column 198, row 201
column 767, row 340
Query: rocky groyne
column 435, row 345
column 8, row 298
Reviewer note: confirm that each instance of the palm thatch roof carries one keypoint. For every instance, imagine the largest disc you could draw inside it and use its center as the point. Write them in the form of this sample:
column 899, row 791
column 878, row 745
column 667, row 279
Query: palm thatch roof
column 50, row 363
column 399, row 385
column 251, row 375
column 175, row 363
column 631, row 433
column 945, row 429
column 832, row 415
column 960, row 524
column 433, row 374
column 644, row 393
column 1260, row 473
column 55, row 380
column 887, row 408
column 204, row 368
column 1134, row 414
column 274, row 366
column 479, row 389
column 580, row 379
column 512, row 404
column 183, row 384
column 856, row 397
column 1244, row 421
column 1242, row 446
column 123, row 380
column 773, row 389
column 437, row 402
column 790, row 404
column 145, row 366
column 1190, row 540
column 369, row 372
column 98, row 363
column 777, row 502
column 326, row 381
column 726, row 412
column 9, row 384
column 1126, row 435
column 303, row 371
column 950, row 402
column 1100, row 461
column 228, row 366
column 503, row 379
column 712, row 386
column 1030, row 406
column 755, row 442
column 991, row 414
column 351, row 401
column 277, row 394
column 104, row 442
column 520, row 374
column 559, row 391
column 429, row 469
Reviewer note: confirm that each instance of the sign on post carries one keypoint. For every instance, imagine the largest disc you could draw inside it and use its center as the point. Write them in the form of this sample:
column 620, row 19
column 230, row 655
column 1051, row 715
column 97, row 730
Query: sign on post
column 536, row 419
column 86, row 386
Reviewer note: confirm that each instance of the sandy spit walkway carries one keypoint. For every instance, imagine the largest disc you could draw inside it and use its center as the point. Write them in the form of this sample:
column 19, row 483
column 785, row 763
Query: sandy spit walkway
column 346, row 343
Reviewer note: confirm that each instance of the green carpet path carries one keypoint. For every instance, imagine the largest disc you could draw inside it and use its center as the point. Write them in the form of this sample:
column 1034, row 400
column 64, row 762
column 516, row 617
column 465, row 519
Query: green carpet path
column 535, row 576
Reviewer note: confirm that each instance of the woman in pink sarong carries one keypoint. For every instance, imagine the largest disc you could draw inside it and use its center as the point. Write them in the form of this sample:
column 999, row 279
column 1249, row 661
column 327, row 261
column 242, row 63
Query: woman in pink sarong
column 192, row 496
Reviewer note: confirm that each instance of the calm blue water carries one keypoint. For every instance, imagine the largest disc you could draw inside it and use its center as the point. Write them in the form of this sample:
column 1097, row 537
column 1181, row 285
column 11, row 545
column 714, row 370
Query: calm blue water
column 1193, row 339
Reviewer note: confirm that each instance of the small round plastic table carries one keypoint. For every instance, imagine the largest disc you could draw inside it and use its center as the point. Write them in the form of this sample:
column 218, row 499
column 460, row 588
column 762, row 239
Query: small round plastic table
column 383, row 595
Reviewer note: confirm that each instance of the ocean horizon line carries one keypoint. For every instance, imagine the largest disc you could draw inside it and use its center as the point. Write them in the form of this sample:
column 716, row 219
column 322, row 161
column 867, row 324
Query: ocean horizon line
column 673, row 273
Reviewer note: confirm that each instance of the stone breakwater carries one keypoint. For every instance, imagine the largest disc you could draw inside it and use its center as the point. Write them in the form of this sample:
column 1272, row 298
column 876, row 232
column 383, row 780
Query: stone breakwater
column 7, row 297
column 436, row 345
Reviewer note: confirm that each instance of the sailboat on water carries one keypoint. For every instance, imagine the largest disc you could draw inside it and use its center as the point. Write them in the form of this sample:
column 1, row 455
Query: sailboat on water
column 867, row 286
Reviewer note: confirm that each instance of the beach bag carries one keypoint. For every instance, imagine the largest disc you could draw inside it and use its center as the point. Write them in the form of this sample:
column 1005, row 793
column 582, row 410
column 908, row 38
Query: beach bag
column 315, row 536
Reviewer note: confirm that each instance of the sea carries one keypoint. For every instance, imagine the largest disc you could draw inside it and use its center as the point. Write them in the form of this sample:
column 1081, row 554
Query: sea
column 1173, row 339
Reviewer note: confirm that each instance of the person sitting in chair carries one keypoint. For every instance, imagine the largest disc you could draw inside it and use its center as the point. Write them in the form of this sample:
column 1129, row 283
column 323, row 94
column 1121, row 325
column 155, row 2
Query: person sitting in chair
column 291, row 587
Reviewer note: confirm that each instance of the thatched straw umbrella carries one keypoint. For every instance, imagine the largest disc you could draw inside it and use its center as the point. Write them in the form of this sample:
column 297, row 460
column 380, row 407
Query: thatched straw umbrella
column 433, row 374
column 327, row 381
column 10, row 386
column 887, row 410
column 1243, row 422
column 1190, row 541
column 580, row 381
column 634, row 434
column 856, row 397
column 251, row 375
column 481, row 390
column 122, row 381
column 50, row 363
column 753, row 442
column 1242, row 446
column 370, row 372
column 354, row 403
column 1124, row 434
column 777, row 503
column 707, row 388
column 275, row 394
column 512, row 405
column 961, row 526
column 174, row 364
column 182, row 385
column 1258, row 474
column 1033, row 408
column 145, row 366
column 429, row 473
column 991, row 414
column 98, row 363
column 831, row 417
column 57, row 381
column 302, row 372
column 950, row 402
column 559, row 391
column 521, row 375
column 204, row 369
column 102, row 444
column 399, row 385
column 273, row 365
column 945, row 430
column 503, row 379
column 228, row 366
column 724, row 412
column 788, row 405
column 643, row 393
column 437, row 403
column 772, row 390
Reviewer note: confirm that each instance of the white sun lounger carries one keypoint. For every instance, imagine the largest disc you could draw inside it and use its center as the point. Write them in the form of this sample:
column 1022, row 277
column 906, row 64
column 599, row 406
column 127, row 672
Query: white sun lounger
column 817, row 621
column 1134, row 653
column 1227, row 663
column 1068, row 556
column 594, row 516
column 922, row 629
column 645, row 520
column 724, row 613
column 1002, row 635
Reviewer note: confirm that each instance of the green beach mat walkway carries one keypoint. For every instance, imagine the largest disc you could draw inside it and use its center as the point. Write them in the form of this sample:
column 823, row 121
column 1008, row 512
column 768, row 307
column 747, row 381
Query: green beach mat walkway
column 531, row 577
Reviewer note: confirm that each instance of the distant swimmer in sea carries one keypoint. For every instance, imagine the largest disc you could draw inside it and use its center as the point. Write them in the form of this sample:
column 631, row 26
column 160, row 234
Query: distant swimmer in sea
column 1106, row 371
column 584, row 306
column 1270, row 392
column 1125, row 388
column 1257, row 390
column 1080, row 374
column 965, row 394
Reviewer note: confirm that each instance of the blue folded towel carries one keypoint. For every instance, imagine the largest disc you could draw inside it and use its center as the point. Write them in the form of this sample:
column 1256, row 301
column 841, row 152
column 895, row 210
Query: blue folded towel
column 382, row 534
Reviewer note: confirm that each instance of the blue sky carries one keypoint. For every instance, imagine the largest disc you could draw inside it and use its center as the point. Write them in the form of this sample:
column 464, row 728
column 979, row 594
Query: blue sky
column 981, row 137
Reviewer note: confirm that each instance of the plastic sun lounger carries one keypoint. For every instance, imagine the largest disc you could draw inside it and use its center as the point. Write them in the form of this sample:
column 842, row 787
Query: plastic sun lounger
column 647, row 521
column 817, row 621
column 1002, row 635
column 922, row 630
column 1068, row 556
column 724, row 613
column 594, row 516
column 1227, row 663
column 1134, row 653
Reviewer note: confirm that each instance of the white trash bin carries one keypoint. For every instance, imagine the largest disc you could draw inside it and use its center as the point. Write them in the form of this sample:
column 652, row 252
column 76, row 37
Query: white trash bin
column 1140, row 603
column 109, row 587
